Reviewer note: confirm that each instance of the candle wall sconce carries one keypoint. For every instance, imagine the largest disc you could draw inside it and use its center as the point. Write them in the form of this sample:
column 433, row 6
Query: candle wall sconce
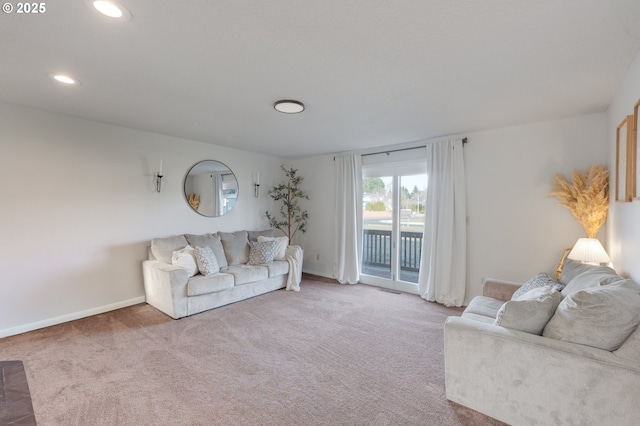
column 158, row 179
column 256, row 186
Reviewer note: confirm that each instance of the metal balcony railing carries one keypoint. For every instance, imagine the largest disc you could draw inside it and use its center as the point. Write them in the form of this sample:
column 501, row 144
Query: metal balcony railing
column 376, row 249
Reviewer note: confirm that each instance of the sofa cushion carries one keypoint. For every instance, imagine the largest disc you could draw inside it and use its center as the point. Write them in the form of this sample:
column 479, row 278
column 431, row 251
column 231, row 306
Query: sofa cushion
column 484, row 306
column 244, row 274
column 185, row 258
column 477, row 317
column 163, row 248
column 602, row 317
column 593, row 277
column 201, row 284
column 281, row 246
column 261, row 253
column 540, row 280
column 209, row 240
column 531, row 311
column 253, row 235
column 236, row 247
column 630, row 349
column 206, row 260
column 572, row 268
column 277, row 268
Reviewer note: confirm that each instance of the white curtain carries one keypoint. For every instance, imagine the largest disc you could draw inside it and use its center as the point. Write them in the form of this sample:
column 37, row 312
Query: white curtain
column 444, row 246
column 348, row 218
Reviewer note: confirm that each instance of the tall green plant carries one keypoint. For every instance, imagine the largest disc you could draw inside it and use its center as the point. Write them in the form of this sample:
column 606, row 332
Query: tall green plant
column 292, row 217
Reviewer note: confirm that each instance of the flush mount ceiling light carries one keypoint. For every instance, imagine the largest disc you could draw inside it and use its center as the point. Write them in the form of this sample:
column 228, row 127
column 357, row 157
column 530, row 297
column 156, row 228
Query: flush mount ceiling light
column 111, row 9
column 65, row 79
column 289, row 106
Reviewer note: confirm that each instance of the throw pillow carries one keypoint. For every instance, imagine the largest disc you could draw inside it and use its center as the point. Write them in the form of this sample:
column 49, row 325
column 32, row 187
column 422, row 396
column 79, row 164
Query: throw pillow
column 236, row 247
column 602, row 317
column 540, row 280
column 207, row 262
column 185, row 258
column 261, row 252
column 281, row 246
column 531, row 311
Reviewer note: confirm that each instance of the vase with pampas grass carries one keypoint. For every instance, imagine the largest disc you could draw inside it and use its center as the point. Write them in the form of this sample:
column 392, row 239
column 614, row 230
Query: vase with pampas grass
column 587, row 197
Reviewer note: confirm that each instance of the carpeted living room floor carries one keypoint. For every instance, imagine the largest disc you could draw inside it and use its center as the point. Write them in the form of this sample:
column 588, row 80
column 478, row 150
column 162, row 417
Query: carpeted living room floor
column 328, row 355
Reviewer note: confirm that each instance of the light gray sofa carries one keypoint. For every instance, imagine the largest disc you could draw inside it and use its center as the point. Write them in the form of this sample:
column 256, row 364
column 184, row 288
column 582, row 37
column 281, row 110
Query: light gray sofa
column 172, row 289
column 583, row 368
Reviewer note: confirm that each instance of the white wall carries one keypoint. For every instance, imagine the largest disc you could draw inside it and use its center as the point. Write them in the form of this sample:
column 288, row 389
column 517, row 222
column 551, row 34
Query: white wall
column 514, row 229
column 623, row 226
column 79, row 209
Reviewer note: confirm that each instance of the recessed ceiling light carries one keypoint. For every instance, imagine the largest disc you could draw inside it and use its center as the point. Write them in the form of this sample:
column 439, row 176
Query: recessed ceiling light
column 289, row 106
column 65, row 79
column 111, row 9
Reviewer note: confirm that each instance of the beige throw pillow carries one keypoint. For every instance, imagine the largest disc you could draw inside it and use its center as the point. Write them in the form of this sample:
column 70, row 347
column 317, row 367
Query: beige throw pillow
column 531, row 311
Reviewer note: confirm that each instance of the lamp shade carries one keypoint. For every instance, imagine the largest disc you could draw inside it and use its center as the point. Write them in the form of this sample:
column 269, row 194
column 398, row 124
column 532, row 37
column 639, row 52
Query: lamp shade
column 589, row 250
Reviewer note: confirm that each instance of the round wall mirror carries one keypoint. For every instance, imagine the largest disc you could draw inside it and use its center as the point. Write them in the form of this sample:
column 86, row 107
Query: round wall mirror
column 211, row 188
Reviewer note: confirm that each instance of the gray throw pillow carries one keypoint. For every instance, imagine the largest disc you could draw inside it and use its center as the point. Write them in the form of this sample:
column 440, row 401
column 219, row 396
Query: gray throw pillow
column 261, row 252
column 207, row 263
column 531, row 311
column 540, row 280
column 236, row 247
column 602, row 317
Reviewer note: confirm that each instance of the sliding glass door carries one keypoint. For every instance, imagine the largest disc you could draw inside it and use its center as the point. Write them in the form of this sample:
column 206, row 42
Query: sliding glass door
column 393, row 225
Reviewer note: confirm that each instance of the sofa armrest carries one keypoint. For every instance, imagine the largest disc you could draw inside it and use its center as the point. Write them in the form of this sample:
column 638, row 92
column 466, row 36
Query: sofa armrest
column 165, row 287
column 499, row 289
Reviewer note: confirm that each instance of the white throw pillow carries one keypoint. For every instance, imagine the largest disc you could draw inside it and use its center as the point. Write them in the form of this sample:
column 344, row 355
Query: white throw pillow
column 602, row 317
column 207, row 262
column 185, row 258
column 281, row 246
column 531, row 311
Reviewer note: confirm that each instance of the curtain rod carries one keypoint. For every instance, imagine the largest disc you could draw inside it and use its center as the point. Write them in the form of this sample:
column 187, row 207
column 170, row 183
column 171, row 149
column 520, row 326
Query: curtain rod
column 464, row 141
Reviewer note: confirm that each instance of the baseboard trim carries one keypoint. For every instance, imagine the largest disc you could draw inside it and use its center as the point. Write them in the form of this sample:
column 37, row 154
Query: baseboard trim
column 69, row 317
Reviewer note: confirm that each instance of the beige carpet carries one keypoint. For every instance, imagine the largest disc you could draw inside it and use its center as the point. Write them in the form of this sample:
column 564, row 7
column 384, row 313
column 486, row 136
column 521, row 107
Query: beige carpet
column 329, row 355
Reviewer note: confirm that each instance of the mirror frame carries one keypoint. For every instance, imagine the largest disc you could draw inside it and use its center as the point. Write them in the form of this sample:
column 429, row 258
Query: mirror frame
column 236, row 190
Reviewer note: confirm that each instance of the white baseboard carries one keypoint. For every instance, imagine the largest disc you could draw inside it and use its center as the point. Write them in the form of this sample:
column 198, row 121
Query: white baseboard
column 320, row 274
column 70, row 317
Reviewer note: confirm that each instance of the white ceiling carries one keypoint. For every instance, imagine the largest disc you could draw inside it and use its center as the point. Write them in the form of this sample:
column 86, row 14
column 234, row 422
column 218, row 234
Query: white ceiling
column 370, row 72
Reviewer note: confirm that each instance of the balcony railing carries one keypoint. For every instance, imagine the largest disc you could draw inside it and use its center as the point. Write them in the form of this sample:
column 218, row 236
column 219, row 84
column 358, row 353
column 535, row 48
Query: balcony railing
column 376, row 249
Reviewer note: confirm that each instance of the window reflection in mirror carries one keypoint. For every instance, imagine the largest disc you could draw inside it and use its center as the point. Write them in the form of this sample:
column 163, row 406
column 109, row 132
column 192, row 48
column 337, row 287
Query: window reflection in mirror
column 211, row 188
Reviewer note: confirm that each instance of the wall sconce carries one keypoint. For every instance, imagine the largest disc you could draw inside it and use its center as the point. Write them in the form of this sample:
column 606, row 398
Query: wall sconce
column 159, row 179
column 256, row 185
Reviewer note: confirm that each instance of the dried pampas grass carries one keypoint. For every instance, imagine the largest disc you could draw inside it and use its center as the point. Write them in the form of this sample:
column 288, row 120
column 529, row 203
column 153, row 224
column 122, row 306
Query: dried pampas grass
column 587, row 198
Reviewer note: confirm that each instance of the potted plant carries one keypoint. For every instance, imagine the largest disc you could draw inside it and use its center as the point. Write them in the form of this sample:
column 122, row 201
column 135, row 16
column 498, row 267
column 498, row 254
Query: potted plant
column 292, row 217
